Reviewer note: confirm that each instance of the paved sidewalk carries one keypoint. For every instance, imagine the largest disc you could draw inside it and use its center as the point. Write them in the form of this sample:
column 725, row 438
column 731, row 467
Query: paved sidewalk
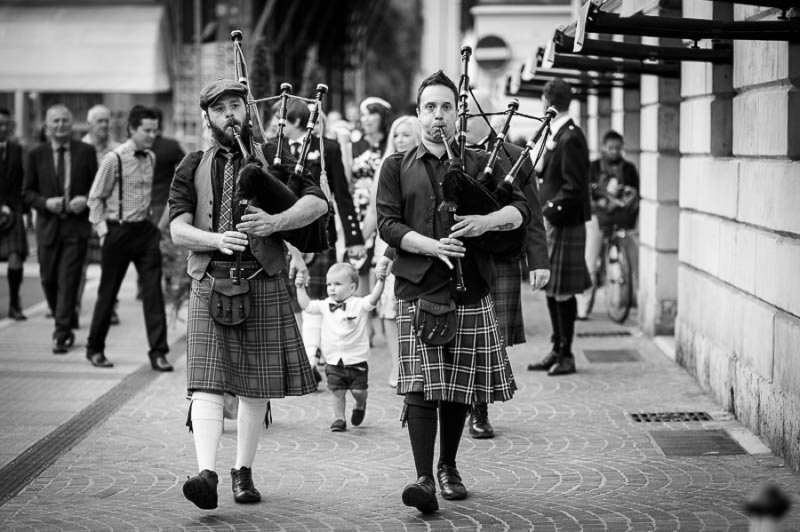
column 567, row 456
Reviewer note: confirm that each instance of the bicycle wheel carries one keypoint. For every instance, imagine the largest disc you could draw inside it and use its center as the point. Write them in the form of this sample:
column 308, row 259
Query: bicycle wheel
column 597, row 282
column 619, row 285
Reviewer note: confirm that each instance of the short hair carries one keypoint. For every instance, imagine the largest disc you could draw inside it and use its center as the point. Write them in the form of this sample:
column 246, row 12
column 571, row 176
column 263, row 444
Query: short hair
column 91, row 115
column 437, row 78
column 5, row 111
column 612, row 135
column 139, row 113
column 295, row 110
column 57, row 107
column 558, row 93
column 345, row 267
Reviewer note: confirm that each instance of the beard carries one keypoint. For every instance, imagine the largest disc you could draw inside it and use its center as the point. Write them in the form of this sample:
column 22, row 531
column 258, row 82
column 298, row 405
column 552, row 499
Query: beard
column 224, row 136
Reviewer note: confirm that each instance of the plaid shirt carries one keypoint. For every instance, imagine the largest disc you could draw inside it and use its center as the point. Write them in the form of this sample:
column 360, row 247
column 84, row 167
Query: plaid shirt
column 137, row 186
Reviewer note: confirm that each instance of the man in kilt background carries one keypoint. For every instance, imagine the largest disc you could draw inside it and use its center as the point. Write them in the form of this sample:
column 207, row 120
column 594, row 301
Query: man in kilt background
column 263, row 357
column 13, row 239
column 507, row 285
column 564, row 193
column 472, row 366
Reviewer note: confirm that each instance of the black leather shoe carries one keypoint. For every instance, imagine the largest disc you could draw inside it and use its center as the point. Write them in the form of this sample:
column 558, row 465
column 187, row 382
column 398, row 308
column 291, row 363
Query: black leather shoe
column 202, row 489
column 99, row 360
column 242, row 485
column 544, row 364
column 60, row 346
column 479, row 426
column 450, row 483
column 160, row 363
column 421, row 495
column 563, row 366
column 16, row 314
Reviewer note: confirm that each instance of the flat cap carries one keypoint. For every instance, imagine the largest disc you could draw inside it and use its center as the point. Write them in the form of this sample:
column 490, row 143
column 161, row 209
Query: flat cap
column 217, row 88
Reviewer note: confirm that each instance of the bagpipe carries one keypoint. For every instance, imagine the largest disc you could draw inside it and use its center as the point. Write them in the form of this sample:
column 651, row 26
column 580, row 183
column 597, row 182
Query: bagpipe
column 276, row 187
column 480, row 195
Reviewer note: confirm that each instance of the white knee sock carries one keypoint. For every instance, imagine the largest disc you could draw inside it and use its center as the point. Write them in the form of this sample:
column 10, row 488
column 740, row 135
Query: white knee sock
column 207, row 428
column 249, row 423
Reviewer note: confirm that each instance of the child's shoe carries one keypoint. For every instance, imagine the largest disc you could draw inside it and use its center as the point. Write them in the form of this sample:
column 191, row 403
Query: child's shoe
column 339, row 426
column 358, row 416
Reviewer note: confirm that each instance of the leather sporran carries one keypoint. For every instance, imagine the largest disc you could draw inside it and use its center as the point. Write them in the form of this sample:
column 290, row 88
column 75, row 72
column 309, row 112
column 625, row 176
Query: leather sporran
column 229, row 303
column 435, row 323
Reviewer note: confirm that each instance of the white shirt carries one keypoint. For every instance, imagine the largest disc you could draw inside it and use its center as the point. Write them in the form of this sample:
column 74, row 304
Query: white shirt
column 344, row 334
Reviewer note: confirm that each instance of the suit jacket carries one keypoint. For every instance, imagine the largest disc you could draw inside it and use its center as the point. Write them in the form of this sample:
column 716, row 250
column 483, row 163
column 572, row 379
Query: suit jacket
column 169, row 155
column 564, row 181
column 41, row 182
column 339, row 189
column 11, row 176
column 536, row 240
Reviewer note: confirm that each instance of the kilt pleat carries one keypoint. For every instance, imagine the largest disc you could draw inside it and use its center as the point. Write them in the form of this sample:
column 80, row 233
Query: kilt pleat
column 507, row 304
column 474, row 367
column 566, row 246
column 263, row 358
column 15, row 240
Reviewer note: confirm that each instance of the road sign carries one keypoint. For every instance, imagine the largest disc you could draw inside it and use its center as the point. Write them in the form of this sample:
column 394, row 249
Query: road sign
column 492, row 53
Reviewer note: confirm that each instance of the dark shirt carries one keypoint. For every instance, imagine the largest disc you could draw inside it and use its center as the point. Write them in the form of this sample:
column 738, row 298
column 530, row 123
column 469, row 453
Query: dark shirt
column 168, row 155
column 406, row 202
column 601, row 175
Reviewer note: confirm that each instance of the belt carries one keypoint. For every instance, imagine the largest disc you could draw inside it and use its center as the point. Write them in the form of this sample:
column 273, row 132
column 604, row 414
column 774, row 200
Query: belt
column 226, row 270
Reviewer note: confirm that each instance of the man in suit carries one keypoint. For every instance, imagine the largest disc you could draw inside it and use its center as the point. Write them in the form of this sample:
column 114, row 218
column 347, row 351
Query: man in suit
column 564, row 195
column 297, row 114
column 57, row 182
column 13, row 238
column 506, row 288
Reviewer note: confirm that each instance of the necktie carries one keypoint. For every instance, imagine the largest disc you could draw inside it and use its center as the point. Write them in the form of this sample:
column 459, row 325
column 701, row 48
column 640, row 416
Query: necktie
column 61, row 170
column 227, row 195
column 295, row 147
column 334, row 306
column 140, row 153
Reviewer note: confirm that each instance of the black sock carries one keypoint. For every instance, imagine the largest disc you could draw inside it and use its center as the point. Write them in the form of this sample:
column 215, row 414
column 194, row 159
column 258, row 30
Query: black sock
column 451, row 424
column 421, row 421
column 14, row 282
column 567, row 310
column 552, row 309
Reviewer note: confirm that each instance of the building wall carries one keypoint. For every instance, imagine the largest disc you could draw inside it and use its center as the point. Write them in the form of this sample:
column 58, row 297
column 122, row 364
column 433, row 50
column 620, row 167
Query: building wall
column 738, row 324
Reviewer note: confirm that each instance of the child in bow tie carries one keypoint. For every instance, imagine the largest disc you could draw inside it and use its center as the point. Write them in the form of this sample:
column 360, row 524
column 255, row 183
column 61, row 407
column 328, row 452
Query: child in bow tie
column 344, row 335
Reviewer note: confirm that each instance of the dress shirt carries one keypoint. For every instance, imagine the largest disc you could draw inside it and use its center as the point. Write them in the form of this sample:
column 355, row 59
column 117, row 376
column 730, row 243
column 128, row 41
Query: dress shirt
column 137, row 185
column 67, row 163
column 344, row 334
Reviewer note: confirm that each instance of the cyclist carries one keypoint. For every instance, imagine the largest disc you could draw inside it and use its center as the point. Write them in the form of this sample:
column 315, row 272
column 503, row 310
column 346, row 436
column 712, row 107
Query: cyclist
column 615, row 203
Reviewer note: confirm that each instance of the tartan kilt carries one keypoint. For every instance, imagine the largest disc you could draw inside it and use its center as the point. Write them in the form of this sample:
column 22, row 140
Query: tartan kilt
column 566, row 249
column 507, row 304
column 317, row 275
column 15, row 240
column 262, row 358
column 473, row 367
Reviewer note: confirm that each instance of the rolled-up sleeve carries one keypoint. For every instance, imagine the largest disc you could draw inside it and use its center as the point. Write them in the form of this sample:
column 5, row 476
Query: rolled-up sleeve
column 389, row 204
column 182, row 192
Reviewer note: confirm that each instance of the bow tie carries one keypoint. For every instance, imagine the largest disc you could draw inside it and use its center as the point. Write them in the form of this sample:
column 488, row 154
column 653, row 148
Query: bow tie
column 140, row 153
column 334, row 306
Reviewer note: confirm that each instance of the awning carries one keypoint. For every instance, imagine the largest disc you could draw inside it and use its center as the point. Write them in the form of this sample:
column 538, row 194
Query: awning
column 84, row 49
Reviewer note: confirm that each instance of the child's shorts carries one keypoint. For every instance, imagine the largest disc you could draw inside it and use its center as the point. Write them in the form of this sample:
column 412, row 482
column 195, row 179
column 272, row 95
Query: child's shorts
column 341, row 377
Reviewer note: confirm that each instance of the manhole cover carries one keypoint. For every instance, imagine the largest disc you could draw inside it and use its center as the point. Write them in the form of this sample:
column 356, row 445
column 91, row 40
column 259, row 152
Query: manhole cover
column 696, row 442
column 601, row 334
column 612, row 355
column 669, row 417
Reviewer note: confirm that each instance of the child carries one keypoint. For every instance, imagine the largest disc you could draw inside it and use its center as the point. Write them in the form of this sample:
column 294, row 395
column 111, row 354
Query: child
column 345, row 336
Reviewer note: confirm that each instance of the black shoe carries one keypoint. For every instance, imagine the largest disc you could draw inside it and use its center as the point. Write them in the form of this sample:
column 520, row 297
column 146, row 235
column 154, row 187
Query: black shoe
column 340, row 425
column 450, row 483
column 16, row 314
column 479, row 426
column 421, row 495
column 60, row 346
column 114, row 318
column 69, row 339
column 242, row 485
column 160, row 363
column 98, row 360
column 202, row 489
column 358, row 416
column 565, row 365
column 544, row 364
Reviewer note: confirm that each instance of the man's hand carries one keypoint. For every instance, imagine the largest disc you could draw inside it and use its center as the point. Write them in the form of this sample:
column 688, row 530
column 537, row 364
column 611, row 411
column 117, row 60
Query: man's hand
column 231, row 241
column 55, row 204
column 77, row 204
column 539, row 278
column 298, row 268
column 448, row 247
column 382, row 267
column 469, row 225
column 301, row 279
column 258, row 223
column 5, row 209
column 356, row 252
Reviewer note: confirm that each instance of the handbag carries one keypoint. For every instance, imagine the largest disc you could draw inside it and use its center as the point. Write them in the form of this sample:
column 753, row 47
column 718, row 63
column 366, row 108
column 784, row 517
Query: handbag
column 434, row 322
column 229, row 303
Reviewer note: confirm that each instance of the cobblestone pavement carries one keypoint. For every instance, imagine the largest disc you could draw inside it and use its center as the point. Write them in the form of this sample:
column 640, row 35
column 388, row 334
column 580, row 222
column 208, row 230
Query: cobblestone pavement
column 567, row 455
